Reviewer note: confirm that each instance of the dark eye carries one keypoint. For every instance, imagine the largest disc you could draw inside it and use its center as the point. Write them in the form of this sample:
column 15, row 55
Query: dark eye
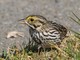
column 32, row 19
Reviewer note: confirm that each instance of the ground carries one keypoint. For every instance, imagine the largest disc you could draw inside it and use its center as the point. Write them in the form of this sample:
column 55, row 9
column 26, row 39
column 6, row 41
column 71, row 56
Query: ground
column 13, row 10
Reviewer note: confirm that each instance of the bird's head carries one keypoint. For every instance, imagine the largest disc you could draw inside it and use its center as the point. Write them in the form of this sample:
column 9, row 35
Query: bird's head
column 35, row 21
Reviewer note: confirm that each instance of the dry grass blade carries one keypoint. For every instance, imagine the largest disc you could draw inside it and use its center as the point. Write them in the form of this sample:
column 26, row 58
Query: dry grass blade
column 61, row 51
column 14, row 34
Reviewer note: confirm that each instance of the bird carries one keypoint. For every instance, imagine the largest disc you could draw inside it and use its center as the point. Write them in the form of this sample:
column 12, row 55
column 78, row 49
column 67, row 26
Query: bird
column 44, row 32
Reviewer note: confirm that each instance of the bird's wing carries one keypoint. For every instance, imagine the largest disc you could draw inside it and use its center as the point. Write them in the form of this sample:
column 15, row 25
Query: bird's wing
column 61, row 29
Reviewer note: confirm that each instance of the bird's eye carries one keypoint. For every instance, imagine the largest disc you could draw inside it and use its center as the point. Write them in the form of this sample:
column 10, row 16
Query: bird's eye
column 31, row 19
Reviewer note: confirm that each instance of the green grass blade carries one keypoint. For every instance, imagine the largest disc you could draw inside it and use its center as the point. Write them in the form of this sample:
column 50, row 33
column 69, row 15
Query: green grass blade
column 75, row 32
column 75, row 20
column 76, row 16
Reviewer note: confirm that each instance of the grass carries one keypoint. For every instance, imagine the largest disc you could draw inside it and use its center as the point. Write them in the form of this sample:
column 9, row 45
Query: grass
column 70, row 45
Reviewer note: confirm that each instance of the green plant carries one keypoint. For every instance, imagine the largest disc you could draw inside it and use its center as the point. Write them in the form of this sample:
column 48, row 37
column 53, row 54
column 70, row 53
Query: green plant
column 77, row 20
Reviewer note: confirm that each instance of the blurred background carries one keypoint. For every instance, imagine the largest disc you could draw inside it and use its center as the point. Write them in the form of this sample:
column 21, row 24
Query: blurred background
column 11, row 11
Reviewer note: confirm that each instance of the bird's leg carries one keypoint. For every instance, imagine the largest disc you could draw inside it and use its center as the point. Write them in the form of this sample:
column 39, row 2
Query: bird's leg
column 44, row 48
column 39, row 49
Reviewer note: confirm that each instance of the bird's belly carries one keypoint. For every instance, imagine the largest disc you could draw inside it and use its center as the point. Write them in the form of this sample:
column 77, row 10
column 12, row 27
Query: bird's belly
column 46, row 39
column 48, row 44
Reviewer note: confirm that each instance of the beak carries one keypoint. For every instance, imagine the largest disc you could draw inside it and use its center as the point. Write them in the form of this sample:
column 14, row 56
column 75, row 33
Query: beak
column 22, row 21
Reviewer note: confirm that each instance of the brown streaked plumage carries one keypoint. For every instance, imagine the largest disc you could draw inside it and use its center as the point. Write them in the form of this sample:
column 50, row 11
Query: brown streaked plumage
column 45, row 33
